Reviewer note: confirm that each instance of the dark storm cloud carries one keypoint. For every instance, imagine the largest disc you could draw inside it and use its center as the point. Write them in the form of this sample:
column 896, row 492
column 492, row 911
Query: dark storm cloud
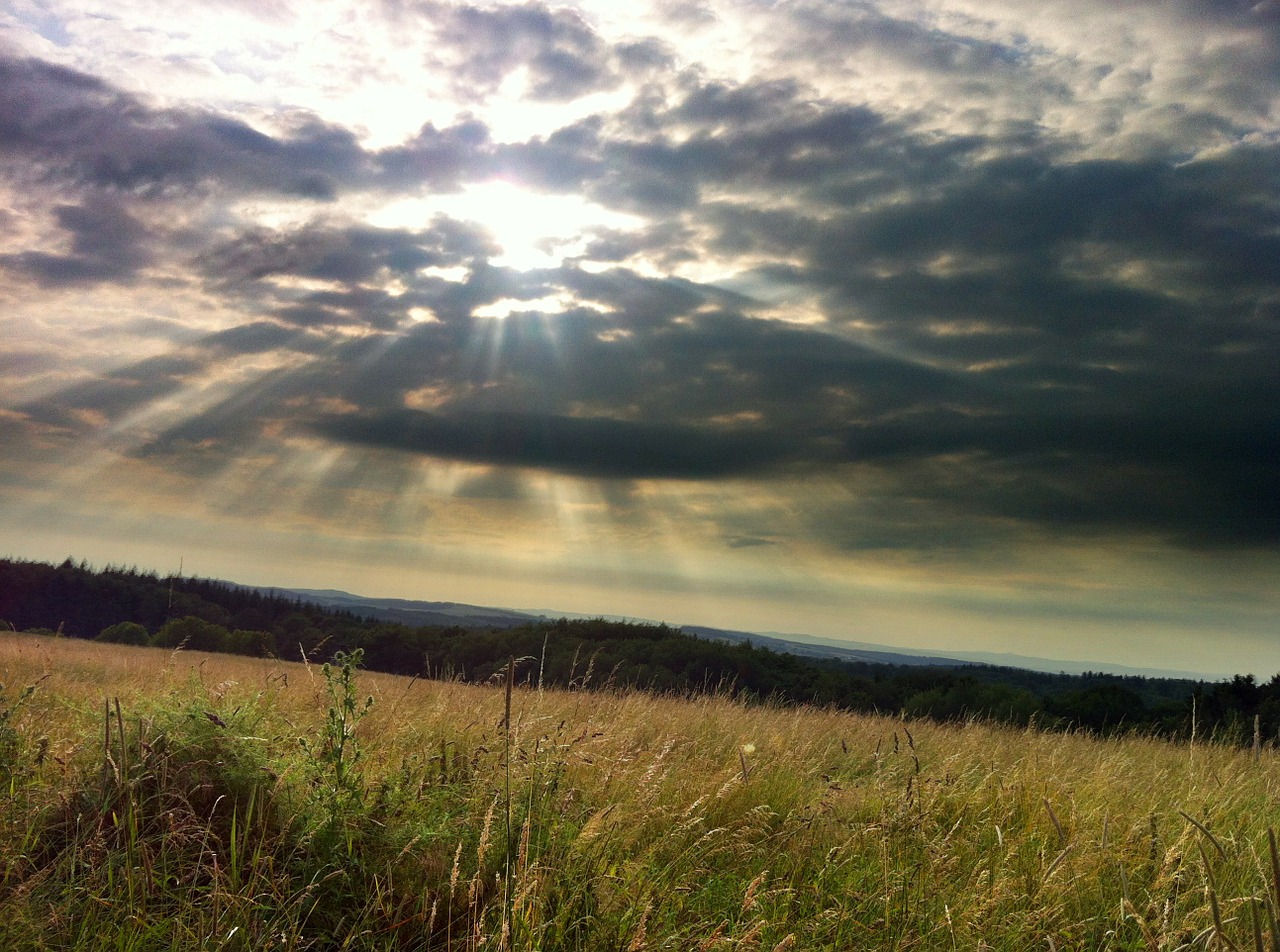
column 682, row 361
column 348, row 308
column 65, row 125
column 1108, row 325
column 603, row 448
column 440, row 158
column 1217, row 471
column 106, row 243
column 1015, row 226
column 762, row 138
column 680, row 358
column 565, row 160
column 256, row 266
column 1006, row 337
column 260, row 337
column 962, row 442
column 672, row 355
column 717, row 105
column 349, row 254
column 668, row 244
column 68, row 124
column 1104, row 390
column 1032, row 207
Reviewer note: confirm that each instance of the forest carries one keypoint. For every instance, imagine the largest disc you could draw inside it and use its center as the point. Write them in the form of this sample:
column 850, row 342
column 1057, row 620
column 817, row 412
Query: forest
column 128, row 606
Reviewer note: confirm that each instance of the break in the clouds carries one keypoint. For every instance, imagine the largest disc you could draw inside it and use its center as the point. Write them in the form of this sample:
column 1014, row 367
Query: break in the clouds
column 912, row 323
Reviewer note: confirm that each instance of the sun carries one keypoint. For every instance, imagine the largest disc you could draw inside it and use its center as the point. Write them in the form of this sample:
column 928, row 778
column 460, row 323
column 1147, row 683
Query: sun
column 533, row 229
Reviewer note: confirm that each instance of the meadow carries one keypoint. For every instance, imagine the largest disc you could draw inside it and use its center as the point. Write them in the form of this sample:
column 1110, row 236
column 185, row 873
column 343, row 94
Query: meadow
column 160, row 799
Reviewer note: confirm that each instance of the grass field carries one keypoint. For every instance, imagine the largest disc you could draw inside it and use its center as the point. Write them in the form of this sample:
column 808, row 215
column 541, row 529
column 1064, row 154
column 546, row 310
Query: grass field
column 173, row 800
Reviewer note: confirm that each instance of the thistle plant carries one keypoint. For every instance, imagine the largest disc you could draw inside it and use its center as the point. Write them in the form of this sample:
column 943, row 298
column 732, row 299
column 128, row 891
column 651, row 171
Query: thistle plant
column 335, row 754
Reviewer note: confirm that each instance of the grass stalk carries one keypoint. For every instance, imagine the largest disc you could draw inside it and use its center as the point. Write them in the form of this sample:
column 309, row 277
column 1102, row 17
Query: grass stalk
column 624, row 819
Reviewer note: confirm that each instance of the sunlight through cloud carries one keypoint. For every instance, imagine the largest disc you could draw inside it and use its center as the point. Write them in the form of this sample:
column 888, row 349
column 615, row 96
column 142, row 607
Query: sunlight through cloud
column 534, row 229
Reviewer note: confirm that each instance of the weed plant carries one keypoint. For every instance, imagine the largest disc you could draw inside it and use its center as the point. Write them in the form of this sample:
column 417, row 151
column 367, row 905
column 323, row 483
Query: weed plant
column 172, row 800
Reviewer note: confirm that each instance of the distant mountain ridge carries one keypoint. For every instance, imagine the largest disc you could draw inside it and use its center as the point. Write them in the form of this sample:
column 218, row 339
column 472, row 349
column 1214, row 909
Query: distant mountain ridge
column 415, row 612
column 412, row 612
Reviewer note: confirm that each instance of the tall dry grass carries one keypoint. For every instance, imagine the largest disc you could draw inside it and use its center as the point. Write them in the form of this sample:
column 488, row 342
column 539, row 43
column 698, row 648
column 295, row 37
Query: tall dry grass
column 193, row 817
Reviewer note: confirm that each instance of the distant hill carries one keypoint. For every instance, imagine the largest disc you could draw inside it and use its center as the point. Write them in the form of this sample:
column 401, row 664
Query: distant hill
column 873, row 654
column 412, row 612
column 812, row 646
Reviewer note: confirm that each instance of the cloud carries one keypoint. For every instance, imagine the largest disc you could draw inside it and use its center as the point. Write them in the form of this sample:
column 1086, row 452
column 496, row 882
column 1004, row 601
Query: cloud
column 73, row 126
column 266, row 269
column 1096, row 471
column 112, row 395
column 558, row 54
column 1030, row 292
column 66, row 123
column 107, row 243
column 760, row 140
column 258, row 338
column 594, row 447
column 748, row 542
column 914, row 43
column 439, row 158
column 344, row 253
column 26, row 362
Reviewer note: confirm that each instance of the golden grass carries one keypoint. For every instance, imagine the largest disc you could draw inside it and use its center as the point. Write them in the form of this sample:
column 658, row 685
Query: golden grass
column 642, row 822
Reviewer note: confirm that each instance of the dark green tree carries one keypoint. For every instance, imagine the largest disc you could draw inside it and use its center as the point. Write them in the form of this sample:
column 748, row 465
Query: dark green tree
column 125, row 633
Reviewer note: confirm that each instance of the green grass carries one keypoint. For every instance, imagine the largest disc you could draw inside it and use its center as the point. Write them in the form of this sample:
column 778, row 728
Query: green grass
column 172, row 800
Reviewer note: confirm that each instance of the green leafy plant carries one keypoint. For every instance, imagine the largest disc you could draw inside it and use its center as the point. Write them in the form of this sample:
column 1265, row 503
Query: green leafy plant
column 336, row 753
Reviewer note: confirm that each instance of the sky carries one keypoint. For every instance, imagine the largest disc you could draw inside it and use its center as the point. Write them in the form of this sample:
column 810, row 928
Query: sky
column 940, row 324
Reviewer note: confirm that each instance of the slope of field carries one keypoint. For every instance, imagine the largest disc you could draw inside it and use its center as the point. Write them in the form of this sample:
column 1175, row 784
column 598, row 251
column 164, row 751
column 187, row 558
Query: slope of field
column 159, row 799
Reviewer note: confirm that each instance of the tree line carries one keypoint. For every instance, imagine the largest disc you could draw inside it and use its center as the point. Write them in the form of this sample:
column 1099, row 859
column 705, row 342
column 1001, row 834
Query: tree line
column 128, row 606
